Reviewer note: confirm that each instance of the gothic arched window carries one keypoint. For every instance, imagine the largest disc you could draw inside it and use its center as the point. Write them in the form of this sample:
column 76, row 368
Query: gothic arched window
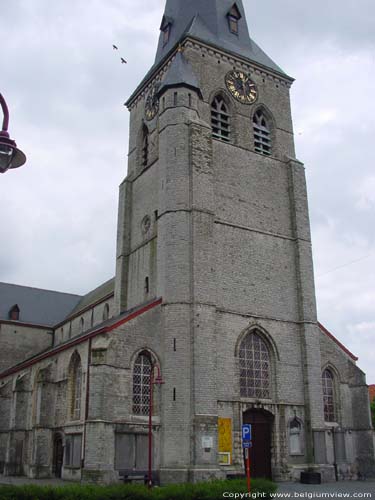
column 328, row 396
column 255, row 367
column 220, row 119
column 262, row 133
column 76, row 386
column 141, row 384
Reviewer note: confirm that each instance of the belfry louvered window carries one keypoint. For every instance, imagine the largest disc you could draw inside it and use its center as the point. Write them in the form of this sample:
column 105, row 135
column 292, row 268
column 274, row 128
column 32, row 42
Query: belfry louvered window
column 255, row 368
column 328, row 396
column 141, row 385
column 220, row 119
column 262, row 134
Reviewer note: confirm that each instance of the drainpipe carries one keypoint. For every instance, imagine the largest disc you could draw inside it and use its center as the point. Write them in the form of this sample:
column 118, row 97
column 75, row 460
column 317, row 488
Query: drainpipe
column 87, row 399
column 334, row 454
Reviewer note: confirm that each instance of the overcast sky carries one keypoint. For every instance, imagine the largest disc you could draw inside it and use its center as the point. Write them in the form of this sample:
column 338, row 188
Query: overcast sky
column 65, row 87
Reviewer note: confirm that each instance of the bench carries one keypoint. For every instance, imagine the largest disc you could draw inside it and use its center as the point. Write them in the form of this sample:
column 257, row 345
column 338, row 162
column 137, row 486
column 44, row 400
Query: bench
column 140, row 476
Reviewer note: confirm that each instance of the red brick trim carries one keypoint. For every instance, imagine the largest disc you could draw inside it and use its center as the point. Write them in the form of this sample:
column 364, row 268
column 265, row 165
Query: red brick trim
column 331, row 336
column 80, row 340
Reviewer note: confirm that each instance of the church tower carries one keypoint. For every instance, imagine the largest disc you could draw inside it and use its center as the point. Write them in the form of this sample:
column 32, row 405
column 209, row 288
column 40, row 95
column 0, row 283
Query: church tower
column 213, row 221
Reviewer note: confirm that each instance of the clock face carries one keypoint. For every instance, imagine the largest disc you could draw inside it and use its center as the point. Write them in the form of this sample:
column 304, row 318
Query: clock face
column 152, row 103
column 241, row 87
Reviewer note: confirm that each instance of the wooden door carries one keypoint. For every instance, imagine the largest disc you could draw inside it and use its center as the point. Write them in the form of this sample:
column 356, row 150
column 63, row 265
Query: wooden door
column 58, row 455
column 260, row 453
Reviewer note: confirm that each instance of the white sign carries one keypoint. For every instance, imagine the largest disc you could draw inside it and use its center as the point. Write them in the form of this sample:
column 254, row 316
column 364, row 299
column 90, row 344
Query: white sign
column 207, row 442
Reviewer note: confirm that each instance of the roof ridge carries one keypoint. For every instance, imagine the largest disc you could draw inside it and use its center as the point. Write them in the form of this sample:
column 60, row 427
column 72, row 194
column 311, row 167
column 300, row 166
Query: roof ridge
column 40, row 289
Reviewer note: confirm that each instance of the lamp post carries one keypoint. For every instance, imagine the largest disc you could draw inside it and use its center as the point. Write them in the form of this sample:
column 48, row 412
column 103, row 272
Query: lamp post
column 158, row 381
column 10, row 155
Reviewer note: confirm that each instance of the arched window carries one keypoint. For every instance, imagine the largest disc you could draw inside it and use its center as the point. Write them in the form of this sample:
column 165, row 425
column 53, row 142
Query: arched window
column 141, row 384
column 106, row 312
column 76, row 386
column 328, row 396
column 255, row 367
column 262, row 133
column 220, row 119
column 145, row 146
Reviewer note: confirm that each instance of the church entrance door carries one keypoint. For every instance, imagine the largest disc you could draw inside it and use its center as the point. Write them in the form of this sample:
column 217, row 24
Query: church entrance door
column 58, row 455
column 260, row 453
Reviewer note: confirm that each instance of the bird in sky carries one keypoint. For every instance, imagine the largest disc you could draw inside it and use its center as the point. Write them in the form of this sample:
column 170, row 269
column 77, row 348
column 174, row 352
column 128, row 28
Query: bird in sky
column 123, row 61
column 115, row 47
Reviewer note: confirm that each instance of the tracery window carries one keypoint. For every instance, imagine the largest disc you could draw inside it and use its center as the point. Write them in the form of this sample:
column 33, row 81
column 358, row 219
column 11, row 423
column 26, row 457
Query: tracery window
column 255, row 367
column 262, row 134
column 76, row 386
column 141, row 384
column 328, row 396
column 220, row 119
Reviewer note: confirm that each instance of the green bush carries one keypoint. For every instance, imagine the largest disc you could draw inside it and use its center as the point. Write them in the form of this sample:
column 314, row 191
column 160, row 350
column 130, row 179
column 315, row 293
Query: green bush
column 202, row 491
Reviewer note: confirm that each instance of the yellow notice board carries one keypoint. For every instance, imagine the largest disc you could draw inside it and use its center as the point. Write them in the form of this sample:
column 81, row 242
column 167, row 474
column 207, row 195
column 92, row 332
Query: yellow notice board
column 225, row 441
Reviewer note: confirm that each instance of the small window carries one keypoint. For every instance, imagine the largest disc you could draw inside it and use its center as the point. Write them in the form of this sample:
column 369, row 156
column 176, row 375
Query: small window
column 328, row 396
column 147, row 285
column 81, row 325
column 145, row 146
column 106, row 312
column 220, row 119
column 233, row 25
column 262, row 134
column 14, row 313
column 166, row 34
column 234, row 15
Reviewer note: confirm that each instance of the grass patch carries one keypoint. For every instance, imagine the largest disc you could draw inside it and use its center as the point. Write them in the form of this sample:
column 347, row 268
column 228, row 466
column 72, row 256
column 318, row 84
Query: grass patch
column 201, row 491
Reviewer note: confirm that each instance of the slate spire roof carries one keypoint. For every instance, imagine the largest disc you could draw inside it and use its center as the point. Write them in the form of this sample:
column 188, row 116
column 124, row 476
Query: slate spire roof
column 207, row 21
column 180, row 73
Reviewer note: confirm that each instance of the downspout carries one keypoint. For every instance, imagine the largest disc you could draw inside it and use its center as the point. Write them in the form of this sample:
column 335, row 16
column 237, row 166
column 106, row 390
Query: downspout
column 87, row 400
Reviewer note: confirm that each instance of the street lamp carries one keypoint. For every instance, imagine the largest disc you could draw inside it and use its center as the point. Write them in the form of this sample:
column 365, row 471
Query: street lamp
column 10, row 155
column 158, row 381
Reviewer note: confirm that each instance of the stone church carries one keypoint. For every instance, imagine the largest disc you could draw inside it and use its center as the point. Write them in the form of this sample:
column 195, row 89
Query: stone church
column 213, row 294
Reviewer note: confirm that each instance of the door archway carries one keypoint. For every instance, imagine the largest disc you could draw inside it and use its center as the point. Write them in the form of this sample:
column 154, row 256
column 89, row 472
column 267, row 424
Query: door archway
column 58, row 455
column 260, row 453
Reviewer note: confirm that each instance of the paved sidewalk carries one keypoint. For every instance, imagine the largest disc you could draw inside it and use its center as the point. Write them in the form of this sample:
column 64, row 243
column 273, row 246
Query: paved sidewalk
column 340, row 489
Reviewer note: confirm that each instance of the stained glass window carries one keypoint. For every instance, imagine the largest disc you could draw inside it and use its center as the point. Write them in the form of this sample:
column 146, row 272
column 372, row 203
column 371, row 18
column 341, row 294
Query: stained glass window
column 328, row 396
column 141, row 385
column 255, row 367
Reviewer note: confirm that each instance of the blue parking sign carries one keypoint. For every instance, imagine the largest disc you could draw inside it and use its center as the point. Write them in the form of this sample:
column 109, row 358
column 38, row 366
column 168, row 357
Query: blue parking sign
column 246, row 432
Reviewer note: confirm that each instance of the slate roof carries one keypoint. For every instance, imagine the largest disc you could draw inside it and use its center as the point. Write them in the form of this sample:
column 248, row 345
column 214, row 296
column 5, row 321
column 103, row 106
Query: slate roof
column 206, row 21
column 37, row 306
column 94, row 296
column 180, row 72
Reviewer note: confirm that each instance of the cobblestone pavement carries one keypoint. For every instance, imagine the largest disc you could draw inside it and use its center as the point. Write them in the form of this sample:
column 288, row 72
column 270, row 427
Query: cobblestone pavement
column 341, row 489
